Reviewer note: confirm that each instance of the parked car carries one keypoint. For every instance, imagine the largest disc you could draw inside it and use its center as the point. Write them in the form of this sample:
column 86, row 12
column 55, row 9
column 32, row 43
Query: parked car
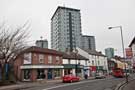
column 70, row 78
column 99, row 76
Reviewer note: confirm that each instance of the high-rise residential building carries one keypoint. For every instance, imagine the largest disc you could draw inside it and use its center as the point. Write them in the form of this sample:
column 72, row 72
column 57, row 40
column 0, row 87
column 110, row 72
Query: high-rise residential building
column 42, row 43
column 109, row 52
column 88, row 42
column 66, row 29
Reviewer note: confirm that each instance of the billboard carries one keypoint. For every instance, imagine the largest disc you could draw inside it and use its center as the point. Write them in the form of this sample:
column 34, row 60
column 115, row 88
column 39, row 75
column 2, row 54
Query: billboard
column 129, row 53
column 27, row 58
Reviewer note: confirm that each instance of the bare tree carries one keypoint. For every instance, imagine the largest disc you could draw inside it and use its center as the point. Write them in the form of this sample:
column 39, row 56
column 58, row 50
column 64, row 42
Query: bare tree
column 12, row 42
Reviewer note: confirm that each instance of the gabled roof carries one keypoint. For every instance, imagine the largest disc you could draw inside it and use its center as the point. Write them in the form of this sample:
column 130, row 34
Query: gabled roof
column 73, row 55
column 132, row 42
column 94, row 52
column 42, row 50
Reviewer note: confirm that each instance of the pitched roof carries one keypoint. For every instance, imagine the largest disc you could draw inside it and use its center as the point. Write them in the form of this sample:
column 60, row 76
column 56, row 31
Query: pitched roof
column 73, row 55
column 132, row 42
column 42, row 50
column 94, row 52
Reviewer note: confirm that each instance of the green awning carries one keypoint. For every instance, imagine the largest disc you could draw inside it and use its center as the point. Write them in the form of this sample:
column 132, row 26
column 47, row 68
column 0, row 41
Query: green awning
column 72, row 66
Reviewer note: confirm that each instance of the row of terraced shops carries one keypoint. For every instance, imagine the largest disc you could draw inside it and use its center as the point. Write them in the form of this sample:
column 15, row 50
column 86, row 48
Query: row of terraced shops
column 35, row 64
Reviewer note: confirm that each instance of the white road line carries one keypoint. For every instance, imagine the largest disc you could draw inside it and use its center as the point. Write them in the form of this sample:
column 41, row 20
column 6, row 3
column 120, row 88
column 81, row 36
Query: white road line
column 71, row 84
column 80, row 88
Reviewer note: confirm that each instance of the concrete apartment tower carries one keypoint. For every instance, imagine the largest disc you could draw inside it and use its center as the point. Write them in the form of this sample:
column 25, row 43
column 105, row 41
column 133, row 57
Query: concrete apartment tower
column 88, row 42
column 66, row 29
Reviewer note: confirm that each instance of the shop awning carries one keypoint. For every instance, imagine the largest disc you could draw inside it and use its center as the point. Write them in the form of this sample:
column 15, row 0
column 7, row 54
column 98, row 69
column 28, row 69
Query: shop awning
column 40, row 66
column 72, row 66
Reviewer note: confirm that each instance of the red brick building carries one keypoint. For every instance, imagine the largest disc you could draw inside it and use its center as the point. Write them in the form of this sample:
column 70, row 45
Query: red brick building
column 36, row 63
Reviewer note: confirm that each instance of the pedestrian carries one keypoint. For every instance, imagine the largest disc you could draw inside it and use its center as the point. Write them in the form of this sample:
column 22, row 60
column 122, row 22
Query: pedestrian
column 86, row 76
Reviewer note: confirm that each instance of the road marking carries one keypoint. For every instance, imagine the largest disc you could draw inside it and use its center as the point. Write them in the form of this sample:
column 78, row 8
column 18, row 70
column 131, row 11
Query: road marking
column 72, row 84
column 80, row 88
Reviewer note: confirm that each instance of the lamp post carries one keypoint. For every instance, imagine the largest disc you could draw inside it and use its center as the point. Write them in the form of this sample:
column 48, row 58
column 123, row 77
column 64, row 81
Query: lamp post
column 76, row 54
column 122, row 47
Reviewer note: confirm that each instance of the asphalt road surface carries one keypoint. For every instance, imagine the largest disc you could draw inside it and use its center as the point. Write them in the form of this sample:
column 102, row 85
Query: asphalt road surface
column 104, row 84
column 96, row 84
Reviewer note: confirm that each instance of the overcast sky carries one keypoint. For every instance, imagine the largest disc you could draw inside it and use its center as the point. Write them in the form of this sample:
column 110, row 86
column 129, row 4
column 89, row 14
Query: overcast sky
column 96, row 16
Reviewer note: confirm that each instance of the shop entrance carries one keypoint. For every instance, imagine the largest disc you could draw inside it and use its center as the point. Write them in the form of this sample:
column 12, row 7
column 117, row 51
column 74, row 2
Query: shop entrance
column 40, row 74
column 49, row 74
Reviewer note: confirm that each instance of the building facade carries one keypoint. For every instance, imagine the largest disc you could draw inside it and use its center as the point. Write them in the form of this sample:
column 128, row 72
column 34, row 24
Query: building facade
column 132, row 46
column 35, row 64
column 88, row 42
column 109, row 52
column 97, row 61
column 42, row 43
column 66, row 29
column 75, row 64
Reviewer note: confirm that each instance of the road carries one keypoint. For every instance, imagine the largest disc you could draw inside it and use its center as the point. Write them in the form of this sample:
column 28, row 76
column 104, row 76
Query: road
column 105, row 84
column 96, row 84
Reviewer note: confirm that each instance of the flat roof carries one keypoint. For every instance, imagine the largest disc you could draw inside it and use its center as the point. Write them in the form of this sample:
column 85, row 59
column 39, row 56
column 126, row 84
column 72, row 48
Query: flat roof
column 87, row 36
column 60, row 7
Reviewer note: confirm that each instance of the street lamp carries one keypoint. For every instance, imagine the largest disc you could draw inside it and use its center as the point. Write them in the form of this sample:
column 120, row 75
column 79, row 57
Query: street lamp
column 122, row 46
column 76, row 54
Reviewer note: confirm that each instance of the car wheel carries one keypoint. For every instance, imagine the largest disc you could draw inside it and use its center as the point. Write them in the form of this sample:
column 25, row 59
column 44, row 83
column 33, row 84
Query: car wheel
column 71, row 81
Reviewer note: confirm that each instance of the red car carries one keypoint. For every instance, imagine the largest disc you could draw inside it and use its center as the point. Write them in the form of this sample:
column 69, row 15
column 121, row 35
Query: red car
column 70, row 78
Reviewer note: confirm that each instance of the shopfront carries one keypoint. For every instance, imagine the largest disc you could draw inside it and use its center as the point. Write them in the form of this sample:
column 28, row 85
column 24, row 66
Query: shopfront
column 99, row 68
column 71, row 69
column 86, row 70
column 42, row 72
column 92, row 70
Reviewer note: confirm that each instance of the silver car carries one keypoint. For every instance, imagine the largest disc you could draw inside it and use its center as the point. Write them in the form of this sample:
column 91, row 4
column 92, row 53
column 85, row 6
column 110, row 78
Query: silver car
column 99, row 76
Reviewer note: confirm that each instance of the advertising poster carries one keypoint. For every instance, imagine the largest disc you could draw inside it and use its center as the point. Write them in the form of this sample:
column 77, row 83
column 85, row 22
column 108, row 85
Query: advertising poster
column 27, row 58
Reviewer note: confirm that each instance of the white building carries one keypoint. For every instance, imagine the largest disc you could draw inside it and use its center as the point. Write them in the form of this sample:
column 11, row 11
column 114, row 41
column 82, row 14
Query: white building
column 132, row 45
column 73, row 62
column 66, row 29
column 97, row 61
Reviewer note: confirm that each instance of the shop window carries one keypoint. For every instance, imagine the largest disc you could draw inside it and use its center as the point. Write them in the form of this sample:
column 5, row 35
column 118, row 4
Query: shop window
column 78, row 70
column 57, row 73
column 40, row 74
column 41, row 58
column 26, row 74
column 49, row 59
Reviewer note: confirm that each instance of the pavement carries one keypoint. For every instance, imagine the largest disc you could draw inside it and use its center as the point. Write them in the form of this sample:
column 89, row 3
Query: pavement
column 127, row 86
column 20, row 85
column 130, row 85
